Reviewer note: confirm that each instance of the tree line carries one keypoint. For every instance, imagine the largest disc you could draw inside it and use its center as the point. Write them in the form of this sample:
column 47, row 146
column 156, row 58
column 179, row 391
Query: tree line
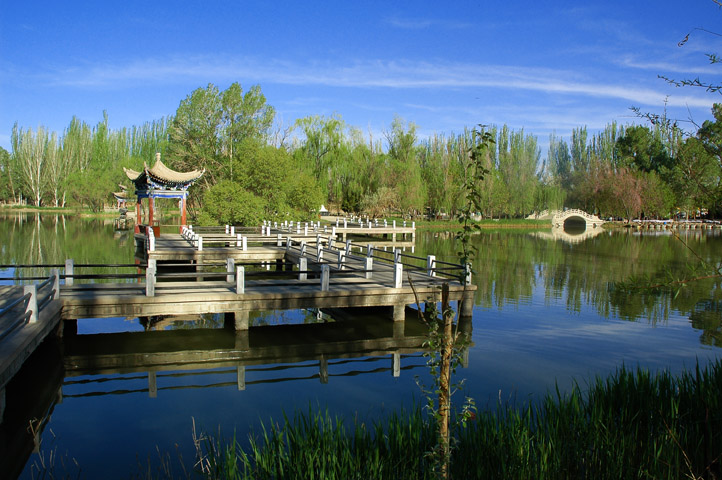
column 255, row 171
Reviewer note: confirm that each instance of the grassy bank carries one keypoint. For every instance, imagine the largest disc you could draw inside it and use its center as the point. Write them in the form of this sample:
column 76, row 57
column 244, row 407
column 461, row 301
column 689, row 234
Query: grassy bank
column 630, row 425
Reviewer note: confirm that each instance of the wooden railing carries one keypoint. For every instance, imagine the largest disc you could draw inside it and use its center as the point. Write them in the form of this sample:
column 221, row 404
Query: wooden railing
column 26, row 308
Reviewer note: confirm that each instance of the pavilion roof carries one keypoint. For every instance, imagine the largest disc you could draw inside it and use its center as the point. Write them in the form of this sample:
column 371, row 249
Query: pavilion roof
column 160, row 174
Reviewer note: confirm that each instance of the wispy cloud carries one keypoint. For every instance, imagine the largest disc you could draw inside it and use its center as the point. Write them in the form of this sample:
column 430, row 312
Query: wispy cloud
column 365, row 74
column 423, row 23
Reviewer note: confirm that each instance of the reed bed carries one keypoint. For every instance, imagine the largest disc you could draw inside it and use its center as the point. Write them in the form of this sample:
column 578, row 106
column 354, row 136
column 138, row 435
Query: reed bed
column 633, row 424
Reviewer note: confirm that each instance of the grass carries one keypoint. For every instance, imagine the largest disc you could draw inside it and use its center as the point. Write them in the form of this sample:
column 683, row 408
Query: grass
column 632, row 424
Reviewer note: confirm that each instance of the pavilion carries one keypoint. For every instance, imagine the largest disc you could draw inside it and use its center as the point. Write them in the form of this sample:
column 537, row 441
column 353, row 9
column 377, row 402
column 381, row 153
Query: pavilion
column 161, row 182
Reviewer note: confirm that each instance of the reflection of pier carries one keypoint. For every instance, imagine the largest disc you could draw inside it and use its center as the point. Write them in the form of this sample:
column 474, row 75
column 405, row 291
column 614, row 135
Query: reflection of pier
column 278, row 352
column 563, row 235
column 30, row 398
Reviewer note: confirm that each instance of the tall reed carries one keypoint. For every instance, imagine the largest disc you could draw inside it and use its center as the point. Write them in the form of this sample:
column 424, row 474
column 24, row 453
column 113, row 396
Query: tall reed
column 632, row 424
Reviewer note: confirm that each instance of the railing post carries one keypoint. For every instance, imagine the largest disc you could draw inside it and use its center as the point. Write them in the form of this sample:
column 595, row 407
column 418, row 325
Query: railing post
column 55, row 274
column 431, row 265
column 239, row 242
column 369, row 266
column 230, row 267
column 369, row 250
column 289, row 242
column 398, row 274
column 330, row 242
column 325, row 274
column 341, row 259
column 151, row 241
column 298, row 228
column 333, row 232
column 348, row 247
column 305, row 229
column 150, row 280
column 69, row 267
column 200, row 243
column 302, row 267
column 345, row 224
column 397, row 255
column 233, row 230
column 244, row 243
column 303, row 248
column 279, row 240
column 32, row 305
column 467, row 277
column 226, row 229
column 319, row 253
column 240, row 280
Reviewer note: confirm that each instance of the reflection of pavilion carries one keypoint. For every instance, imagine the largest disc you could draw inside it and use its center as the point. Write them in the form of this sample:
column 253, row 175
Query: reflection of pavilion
column 560, row 234
column 173, row 357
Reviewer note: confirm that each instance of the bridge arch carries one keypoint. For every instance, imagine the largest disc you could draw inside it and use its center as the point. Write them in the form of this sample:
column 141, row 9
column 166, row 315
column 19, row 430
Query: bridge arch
column 567, row 218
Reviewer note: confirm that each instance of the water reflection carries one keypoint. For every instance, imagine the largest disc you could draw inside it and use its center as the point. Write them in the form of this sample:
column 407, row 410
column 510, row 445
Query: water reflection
column 355, row 342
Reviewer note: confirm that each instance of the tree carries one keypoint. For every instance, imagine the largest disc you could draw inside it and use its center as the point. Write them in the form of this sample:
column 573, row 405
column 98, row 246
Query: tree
column 228, row 203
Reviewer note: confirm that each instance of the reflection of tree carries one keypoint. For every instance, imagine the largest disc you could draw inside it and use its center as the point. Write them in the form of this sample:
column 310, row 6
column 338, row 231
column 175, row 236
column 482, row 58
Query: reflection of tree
column 707, row 316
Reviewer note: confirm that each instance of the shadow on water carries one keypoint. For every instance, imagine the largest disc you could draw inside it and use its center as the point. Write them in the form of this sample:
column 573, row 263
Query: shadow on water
column 30, row 398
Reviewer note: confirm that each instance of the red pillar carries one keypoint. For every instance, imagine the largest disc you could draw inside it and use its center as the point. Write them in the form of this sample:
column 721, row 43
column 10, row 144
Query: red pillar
column 183, row 212
column 151, row 204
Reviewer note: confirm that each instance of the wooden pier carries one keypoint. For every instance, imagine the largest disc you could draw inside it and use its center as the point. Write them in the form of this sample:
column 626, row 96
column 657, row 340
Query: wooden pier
column 223, row 271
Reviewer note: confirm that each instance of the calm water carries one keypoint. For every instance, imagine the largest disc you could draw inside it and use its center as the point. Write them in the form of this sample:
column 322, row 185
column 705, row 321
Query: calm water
column 544, row 315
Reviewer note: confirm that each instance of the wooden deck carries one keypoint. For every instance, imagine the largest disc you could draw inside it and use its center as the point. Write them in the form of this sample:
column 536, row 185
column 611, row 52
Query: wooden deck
column 349, row 285
column 310, row 272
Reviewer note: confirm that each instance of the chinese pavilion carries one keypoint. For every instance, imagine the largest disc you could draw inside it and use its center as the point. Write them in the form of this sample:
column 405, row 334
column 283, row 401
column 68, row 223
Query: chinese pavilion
column 161, row 182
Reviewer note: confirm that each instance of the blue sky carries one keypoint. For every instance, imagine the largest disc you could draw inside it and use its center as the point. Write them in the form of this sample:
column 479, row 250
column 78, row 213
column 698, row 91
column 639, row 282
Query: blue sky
column 541, row 66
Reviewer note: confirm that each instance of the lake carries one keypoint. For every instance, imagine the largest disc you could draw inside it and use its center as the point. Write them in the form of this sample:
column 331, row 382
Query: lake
column 545, row 315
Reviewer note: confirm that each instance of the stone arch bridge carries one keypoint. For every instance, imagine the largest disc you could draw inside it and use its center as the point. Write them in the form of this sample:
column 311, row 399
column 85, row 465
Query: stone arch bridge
column 560, row 217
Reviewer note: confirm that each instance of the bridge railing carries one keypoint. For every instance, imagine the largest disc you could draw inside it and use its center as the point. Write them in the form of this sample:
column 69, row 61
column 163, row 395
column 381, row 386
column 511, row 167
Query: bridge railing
column 25, row 309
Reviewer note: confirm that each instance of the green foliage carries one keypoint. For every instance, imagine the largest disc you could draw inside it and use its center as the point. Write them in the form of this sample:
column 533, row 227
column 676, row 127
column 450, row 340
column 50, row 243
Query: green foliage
column 228, row 203
column 632, row 424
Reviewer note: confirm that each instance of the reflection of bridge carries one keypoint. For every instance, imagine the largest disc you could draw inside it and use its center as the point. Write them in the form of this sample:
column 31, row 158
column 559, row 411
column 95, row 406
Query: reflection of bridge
column 561, row 234
column 270, row 354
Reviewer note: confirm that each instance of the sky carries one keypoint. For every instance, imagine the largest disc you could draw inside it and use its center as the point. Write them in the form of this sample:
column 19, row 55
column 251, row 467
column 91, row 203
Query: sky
column 544, row 67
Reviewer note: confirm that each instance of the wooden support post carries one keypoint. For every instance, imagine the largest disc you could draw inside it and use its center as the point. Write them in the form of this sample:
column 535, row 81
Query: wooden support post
column 398, row 275
column 302, row 267
column 305, row 229
column 369, row 266
column 233, row 230
column 241, row 320
column 348, row 247
column 369, row 250
column 289, row 243
column 226, row 229
column 244, row 243
column 341, row 259
column 32, row 305
column 399, row 312
column 319, row 252
column 431, row 265
column 396, row 364
column 466, row 306
column 323, row 369
column 240, row 280
column 242, row 341
column 325, row 281
column 152, row 385
column 279, row 240
column 241, row 377
column 239, row 241
column 200, row 243
column 69, row 267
